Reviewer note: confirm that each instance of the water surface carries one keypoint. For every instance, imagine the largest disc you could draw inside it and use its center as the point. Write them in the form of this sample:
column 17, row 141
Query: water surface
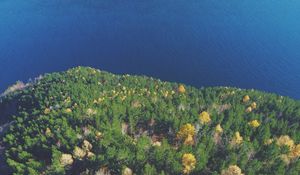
column 247, row 44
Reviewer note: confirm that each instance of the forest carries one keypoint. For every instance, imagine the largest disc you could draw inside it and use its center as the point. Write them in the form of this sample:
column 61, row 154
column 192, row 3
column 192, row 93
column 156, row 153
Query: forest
column 85, row 121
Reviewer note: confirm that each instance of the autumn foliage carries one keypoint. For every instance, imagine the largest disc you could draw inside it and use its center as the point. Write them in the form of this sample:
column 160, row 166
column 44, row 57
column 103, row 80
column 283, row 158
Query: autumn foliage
column 87, row 121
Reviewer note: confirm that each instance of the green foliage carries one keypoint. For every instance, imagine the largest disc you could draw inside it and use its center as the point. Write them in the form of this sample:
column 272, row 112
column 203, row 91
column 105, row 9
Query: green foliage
column 132, row 121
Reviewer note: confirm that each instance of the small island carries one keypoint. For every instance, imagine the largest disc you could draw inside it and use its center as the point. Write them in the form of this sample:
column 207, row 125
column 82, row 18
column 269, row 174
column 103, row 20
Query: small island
column 90, row 122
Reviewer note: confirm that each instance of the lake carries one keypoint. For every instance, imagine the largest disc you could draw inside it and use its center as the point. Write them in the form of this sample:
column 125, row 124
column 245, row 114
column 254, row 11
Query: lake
column 246, row 44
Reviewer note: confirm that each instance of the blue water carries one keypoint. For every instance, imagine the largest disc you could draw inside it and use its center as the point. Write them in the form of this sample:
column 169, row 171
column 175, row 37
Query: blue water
column 247, row 44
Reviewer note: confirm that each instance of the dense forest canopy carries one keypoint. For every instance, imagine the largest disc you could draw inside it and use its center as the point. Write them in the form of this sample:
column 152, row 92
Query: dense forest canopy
column 87, row 121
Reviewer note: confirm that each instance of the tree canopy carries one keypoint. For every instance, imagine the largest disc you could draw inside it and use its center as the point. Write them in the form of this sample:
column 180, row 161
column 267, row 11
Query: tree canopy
column 87, row 121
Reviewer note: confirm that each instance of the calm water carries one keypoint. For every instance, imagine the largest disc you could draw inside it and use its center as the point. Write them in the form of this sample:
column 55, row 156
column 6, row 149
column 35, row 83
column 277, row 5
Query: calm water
column 247, row 44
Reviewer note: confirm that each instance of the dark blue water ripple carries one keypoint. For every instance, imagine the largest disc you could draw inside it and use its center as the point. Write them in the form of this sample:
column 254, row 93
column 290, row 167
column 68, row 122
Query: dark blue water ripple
column 247, row 44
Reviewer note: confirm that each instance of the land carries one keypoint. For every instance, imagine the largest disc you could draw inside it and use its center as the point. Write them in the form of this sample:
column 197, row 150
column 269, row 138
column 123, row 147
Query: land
column 87, row 121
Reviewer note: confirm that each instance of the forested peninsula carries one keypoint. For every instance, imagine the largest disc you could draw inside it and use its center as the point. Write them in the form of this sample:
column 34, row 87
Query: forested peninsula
column 86, row 121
